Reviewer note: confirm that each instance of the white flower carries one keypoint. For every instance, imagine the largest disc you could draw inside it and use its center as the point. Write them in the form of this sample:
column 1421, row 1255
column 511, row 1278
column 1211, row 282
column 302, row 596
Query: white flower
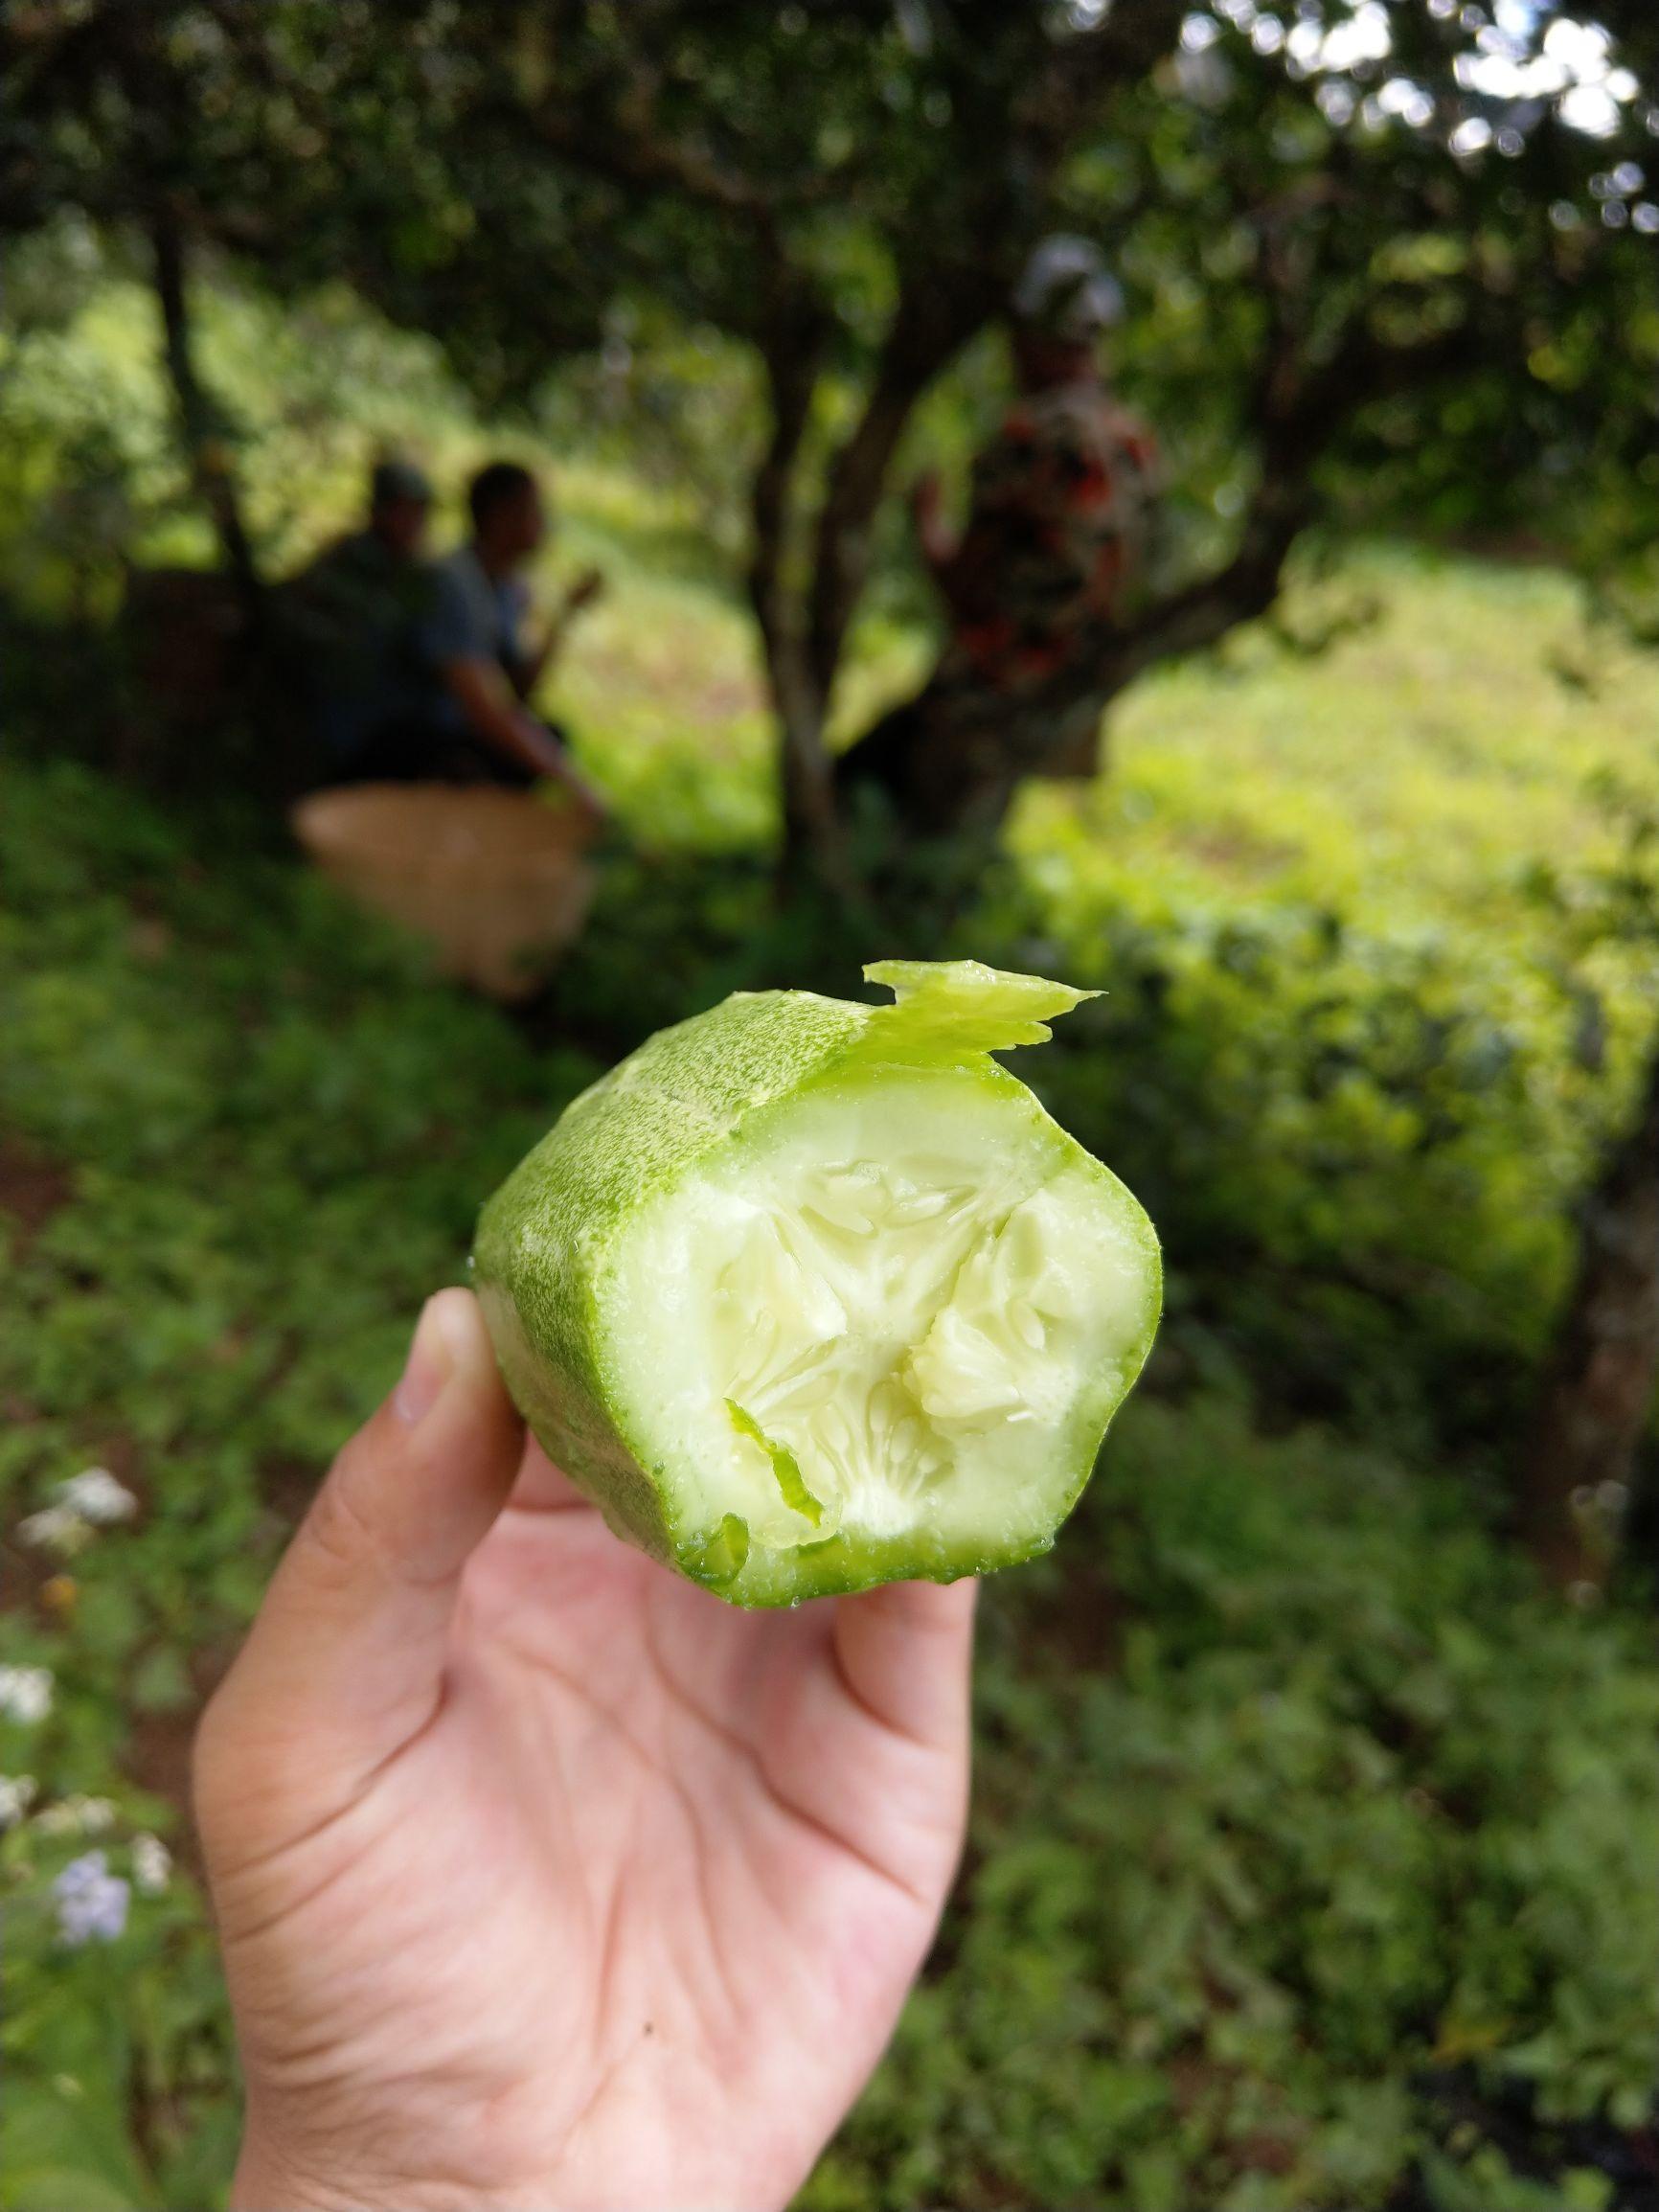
column 56, row 1528
column 26, row 1693
column 97, row 1496
column 16, row 1796
column 92, row 1499
column 77, row 1816
column 91, row 1900
column 151, row 1864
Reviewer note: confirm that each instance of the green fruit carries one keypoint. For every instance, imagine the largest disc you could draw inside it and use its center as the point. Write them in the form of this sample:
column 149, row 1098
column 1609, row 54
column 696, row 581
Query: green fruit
column 809, row 1296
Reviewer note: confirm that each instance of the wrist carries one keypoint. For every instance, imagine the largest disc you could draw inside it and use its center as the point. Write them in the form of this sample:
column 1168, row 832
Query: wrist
column 265, row 2183
column 268, row 2180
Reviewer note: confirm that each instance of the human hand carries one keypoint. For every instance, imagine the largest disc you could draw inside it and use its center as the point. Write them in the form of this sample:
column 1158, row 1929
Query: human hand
column 588, row 586
column 546, row 1879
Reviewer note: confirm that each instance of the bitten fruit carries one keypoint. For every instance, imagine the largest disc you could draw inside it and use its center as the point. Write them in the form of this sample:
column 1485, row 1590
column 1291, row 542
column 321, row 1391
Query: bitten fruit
column 809, row 1296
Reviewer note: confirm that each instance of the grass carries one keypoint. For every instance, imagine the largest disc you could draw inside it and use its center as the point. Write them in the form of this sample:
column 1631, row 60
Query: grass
column 1409, row 777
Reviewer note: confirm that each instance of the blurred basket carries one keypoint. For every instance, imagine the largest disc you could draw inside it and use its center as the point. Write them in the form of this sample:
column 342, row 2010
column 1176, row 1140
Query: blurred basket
column 498, row 882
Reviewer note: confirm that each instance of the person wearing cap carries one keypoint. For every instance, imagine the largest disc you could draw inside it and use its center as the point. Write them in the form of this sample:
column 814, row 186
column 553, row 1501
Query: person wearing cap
column 400, row 508
column 1053, row 551
column 1063, row 497
column 352, row 614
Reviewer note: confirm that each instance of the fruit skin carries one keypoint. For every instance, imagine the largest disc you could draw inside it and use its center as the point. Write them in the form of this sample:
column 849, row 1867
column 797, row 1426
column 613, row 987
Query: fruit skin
column 544, row 1238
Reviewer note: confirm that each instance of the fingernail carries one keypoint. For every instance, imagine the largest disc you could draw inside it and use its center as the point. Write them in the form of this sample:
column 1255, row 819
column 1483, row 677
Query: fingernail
column 426, row 1371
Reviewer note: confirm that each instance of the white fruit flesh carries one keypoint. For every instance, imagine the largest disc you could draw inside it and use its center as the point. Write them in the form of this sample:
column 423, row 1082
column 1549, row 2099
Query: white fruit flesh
column 916, row 1290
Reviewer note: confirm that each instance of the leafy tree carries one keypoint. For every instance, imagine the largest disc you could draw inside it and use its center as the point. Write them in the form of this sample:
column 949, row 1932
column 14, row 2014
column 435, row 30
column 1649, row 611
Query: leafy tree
column 1387, row 259
column 1339, row 319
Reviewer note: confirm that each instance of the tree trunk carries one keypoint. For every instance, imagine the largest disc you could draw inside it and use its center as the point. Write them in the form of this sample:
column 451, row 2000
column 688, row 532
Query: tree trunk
column 947, row 762
column 205, row 452
column 813, row 838
column 1599, row 1384
column 812, row 824
column 804, row 634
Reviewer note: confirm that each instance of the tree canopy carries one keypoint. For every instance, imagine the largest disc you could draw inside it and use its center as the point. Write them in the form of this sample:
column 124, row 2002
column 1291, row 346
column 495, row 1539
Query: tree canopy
column 1388, row 262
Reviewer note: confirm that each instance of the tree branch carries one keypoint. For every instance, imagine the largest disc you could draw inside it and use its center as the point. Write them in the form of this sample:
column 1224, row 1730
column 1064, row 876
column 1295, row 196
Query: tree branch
column 938, row 313
column 624, row 145
column 942, row 306
column 1300, row 416
column 1133, row 38
column 958, row 767
column 791, row 350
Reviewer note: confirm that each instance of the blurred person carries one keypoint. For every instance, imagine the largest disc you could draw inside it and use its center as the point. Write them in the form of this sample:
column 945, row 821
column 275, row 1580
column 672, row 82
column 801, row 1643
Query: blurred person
column 351, row 616
column 1063, row 495
column 543, row 1877
column 1054, row 548
column 479, row 665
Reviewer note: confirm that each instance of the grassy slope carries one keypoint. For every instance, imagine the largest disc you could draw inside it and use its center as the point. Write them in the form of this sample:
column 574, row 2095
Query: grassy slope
column 1411, row 775
column 1408, row 775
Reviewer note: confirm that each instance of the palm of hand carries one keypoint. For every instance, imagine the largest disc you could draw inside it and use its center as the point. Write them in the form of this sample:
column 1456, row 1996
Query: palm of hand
column 639, row 1902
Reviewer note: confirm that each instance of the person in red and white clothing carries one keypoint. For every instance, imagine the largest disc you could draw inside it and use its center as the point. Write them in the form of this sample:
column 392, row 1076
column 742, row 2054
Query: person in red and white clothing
column 1054, row 553
column 1063, row 496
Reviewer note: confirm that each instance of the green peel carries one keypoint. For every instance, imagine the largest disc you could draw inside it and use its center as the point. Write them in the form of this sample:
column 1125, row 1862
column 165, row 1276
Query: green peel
column 966, row 1005
column 809, row 1295
column 785, row 1465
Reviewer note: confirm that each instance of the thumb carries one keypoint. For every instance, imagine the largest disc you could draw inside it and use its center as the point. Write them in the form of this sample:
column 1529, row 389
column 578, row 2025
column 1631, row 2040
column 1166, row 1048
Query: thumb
column 345, row 1661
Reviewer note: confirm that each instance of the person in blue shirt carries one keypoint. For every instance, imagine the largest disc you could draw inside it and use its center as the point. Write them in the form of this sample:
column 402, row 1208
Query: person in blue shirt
column 476, row 662
column 454, row 709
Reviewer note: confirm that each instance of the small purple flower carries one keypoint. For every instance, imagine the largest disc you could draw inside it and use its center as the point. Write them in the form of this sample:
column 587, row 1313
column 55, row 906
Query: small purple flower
column 91, row 1900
